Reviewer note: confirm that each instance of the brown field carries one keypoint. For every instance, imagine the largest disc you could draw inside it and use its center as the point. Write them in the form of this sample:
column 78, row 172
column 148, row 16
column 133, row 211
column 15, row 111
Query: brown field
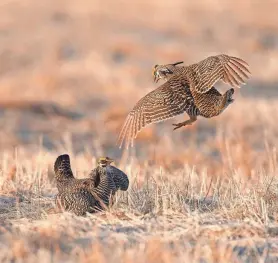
column 69, row 73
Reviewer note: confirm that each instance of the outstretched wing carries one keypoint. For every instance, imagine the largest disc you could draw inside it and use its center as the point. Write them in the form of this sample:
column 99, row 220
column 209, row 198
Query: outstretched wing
column 169, row 100
column 207, row 72
column 120, row 178
column 62, row 167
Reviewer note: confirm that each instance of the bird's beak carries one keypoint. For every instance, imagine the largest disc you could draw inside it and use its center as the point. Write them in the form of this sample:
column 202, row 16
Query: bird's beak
column 155, row 78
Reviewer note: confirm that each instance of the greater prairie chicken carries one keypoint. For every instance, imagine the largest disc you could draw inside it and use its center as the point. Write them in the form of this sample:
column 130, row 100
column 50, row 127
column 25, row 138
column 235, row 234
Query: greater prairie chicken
column 79, row 202
column 90, row 194
column 65, row 179
column 109, row 180
column 75, row 195
column 187, row 89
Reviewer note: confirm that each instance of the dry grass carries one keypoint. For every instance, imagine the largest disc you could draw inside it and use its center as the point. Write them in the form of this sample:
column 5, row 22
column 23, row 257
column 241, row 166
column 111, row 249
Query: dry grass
column 71, row 70
column 165, row 216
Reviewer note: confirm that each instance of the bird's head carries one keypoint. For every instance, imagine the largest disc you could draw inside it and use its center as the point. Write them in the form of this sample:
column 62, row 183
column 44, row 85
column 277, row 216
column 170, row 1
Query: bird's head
column 104, row 161
column 162, row 71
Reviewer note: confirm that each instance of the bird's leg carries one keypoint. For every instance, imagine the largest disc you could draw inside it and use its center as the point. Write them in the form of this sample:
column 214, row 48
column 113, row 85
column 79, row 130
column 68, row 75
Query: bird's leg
column 187, row 122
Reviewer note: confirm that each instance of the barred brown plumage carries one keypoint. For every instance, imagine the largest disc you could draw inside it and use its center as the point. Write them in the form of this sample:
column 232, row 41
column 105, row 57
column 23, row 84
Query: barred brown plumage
column 79, row 202
column 75, row 195
column 90, row 194
column 65, row 179
column 110, row 180
column 188, row 89
column 119, row 177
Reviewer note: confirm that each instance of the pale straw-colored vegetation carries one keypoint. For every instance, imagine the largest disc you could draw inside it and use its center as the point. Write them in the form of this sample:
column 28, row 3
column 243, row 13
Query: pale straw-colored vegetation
column 69, row 73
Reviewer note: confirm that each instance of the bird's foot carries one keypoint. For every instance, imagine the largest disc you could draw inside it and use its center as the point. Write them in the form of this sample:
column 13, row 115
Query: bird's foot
column 181, row 124
column 230, row 93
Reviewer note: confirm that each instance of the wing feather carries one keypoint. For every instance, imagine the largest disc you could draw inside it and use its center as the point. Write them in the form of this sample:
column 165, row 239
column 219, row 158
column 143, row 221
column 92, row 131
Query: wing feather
column 241, row 70
column 167, row 101
column 207, row 72
column 62, row 167
column 234, row 73
column 120, row 178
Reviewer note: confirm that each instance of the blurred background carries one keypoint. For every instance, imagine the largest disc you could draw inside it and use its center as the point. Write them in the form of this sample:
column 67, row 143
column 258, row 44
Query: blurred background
column 70, row 71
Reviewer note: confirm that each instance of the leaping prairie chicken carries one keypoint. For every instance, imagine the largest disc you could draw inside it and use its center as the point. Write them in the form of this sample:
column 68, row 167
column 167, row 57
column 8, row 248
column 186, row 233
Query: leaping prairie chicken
column 187, row 89
column 109, row 179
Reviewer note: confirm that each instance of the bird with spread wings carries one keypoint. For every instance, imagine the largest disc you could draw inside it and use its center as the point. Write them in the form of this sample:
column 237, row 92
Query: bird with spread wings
column 187, row 89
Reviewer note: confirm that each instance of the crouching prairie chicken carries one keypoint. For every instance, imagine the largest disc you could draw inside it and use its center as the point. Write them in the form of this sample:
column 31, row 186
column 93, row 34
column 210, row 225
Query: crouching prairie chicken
column 109, row 179
column 187, row 89
column 91, row 194
column 74, row 195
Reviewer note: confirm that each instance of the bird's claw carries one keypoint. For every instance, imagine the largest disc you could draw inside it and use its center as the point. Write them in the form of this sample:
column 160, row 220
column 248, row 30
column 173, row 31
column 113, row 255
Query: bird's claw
column 178, row 125
column 181, row 124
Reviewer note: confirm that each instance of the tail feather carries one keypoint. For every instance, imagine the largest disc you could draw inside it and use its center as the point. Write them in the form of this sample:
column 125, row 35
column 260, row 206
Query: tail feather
column 62, row 166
